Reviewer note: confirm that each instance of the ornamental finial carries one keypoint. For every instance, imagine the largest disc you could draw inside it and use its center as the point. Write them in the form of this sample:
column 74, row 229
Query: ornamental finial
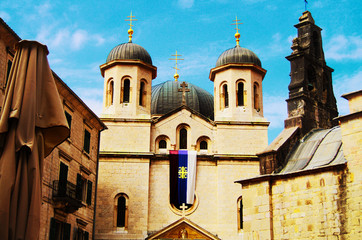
column 237, row 34
column 176, row 76
column 130, row 30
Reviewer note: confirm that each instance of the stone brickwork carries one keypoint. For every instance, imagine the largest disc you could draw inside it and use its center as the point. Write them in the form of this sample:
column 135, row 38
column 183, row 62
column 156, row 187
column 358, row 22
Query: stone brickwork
column 312, row 206
column 123, row 176
column 146, row 183
column 351, row 126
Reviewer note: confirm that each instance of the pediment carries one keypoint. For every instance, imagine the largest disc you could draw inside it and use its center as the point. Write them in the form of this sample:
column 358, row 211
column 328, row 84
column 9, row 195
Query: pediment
column 182, row 229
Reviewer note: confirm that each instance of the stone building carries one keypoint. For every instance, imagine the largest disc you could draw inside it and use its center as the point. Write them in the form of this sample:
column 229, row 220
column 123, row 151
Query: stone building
column 145, row 122
column 70, row 171
column 310, row 186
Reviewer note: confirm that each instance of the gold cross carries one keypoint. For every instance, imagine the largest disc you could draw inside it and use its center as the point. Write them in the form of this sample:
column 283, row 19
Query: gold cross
column 237, row 34
column 130, row 30
column 183, row 209
column 182, row 172
column 176, row 76
column 184, row 89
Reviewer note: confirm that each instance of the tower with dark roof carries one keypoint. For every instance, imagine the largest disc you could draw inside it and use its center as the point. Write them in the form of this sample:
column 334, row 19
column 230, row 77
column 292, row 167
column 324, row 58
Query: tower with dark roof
column 238, row 100
column 311, row 102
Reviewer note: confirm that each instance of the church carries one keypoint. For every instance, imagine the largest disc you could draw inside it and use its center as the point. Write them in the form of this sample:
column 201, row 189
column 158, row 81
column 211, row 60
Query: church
column 145, row 123
column 305, row 168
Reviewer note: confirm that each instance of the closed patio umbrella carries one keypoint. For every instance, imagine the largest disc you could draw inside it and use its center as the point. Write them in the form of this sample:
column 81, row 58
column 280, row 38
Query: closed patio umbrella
column 32, row 123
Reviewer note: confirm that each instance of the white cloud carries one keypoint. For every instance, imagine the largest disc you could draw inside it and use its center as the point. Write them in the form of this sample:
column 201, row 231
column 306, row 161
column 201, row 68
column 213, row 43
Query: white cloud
column 318, row 4
column 43, row 9
column 341, row 47
column 275, row 110
column 345, row 84
column 67, row 38
column 93, row 97
column 79, row 38
column 185, row 3
column 94, row 104
column 5, row 16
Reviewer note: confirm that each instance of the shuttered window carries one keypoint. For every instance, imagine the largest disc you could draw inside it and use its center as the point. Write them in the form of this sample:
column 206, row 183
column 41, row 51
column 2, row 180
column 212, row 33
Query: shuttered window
column 69, row 118
column 59, row 230
column 86, row 146
column 89, row 192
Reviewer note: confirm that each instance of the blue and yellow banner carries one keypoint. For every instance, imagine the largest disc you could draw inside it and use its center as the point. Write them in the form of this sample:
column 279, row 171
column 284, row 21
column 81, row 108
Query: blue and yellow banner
column 182, row 176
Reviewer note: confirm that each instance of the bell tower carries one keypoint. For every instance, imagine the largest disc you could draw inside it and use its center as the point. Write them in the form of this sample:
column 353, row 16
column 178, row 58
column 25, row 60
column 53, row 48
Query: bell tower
column 128, row 74
column 311, row 102
column 238, row 100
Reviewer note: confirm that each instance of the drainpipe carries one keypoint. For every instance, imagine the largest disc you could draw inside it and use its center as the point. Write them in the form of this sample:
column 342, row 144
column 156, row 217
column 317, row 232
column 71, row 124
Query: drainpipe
column 96, row 187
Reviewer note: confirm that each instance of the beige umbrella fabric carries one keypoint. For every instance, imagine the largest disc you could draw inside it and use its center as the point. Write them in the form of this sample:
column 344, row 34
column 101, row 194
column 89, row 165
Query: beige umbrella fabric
column 32, row 123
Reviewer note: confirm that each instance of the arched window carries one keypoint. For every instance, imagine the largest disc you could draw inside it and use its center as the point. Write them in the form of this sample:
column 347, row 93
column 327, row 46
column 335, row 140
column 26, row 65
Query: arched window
column 121, row 211
column 240, row 213
column 110, row 93
column 162, row 144
column 312, row 78
column 240, row 94
column 203, row 145
column 226, row 95
column 142, row 94
column 256, row 97
column 126, row 90
column 183, row 138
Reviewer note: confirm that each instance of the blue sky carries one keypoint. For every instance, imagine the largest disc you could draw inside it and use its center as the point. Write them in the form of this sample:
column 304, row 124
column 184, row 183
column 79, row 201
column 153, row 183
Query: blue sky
column 80, row 34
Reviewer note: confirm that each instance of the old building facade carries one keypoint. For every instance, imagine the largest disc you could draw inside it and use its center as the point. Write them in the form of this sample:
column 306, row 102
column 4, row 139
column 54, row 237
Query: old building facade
column 145, row 122
column 309, row 187
column 70, row 171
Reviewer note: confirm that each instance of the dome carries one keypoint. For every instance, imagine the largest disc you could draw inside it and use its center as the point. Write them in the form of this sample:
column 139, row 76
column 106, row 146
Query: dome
column 166, row 97
column 238, row 54
column 129, row 51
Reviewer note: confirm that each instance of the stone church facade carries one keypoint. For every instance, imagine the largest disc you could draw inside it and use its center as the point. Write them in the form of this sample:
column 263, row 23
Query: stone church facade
column 144, row 122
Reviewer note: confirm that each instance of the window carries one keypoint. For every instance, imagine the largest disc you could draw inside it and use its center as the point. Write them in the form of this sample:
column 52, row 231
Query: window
column 81, row 234
column 142, row 94
column 63, row 179
column 162, row 144
column 183, row 138
column 126, row 91
column 84, row 189
column 256, row 97
column 86, row 145
column 203, row 145
column 110, row 93
column 316, row 45
column 121, row 210
column 240, row 94
column 10, row 63
column 226, row 95
column 312, row 78
column 59, row 230
column 240, row 213
column 69, row 118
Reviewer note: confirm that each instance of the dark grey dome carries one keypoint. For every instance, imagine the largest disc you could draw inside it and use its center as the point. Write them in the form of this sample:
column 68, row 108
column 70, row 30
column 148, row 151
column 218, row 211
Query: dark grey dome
column 166, row 97
column 129, row 51
column 238, row 54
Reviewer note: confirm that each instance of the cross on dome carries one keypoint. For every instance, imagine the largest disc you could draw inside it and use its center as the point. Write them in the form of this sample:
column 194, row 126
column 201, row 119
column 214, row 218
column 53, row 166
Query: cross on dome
column 130, row 30
column 176, row 76
column 184, row 89
column 237, row 34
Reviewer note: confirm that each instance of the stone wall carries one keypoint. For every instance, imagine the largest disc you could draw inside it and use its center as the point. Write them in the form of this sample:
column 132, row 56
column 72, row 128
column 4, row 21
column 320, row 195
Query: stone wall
column 122, row 176
column 311, row 206
column 352, row 142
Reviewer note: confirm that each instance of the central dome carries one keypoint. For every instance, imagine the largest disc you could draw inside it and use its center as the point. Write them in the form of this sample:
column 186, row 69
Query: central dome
column 129, row 51
column 166, row 97
column 238, row 54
